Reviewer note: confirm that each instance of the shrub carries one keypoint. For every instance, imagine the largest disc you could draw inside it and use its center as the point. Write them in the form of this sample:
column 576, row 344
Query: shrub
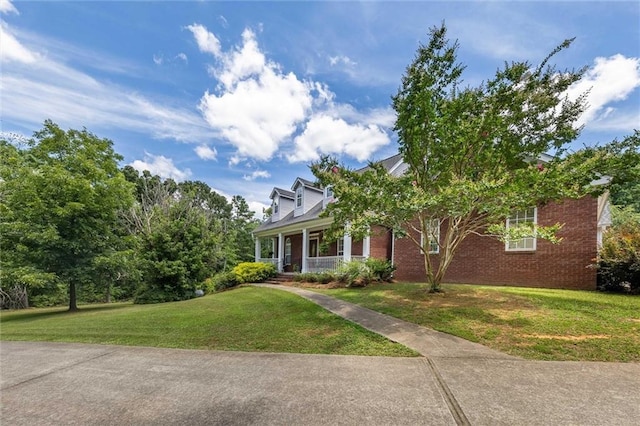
column 224, row 280
column 208, row 286
column 619, row 259
column 354, row 274
column 326, row 277
column 314, row 277
column 382, row 270
column 254, row 272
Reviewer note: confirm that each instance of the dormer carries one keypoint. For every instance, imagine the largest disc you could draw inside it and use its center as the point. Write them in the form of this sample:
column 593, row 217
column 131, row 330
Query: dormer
column 306, row 195
column 328, row 197
column 281, row 203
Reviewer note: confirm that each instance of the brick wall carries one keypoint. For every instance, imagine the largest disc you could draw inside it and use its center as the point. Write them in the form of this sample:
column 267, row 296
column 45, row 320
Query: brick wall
column 484, row 260
column 380, row 243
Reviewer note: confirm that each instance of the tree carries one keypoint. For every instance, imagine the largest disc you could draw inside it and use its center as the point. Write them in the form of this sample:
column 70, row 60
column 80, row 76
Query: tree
column 186, row 232
column 474, row 155
column 625, row 188
column 61, row 195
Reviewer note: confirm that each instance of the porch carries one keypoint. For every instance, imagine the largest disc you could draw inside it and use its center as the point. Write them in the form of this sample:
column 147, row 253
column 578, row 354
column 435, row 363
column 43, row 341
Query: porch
column 300, row 251
column 315, row 264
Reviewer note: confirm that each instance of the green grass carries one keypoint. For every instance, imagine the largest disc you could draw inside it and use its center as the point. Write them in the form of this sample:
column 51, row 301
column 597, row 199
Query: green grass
column 531, row 323
column 245, row 319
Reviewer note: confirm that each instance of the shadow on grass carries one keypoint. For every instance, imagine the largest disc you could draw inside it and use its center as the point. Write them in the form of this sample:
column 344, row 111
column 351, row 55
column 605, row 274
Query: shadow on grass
column 41, row 313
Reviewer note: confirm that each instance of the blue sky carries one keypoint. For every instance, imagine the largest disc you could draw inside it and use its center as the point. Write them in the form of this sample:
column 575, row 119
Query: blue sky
column 243, row 95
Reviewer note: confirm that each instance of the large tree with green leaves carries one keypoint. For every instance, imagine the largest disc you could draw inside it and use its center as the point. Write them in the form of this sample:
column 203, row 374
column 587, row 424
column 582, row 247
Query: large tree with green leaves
column 473, row 154
column 60, row 197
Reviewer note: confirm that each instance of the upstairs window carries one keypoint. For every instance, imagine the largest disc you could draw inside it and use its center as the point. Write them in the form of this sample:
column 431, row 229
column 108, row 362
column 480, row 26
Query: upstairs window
column 299, row 197
column 328, row 192
column 527, row 218
column 275, row 207
column 433, row 233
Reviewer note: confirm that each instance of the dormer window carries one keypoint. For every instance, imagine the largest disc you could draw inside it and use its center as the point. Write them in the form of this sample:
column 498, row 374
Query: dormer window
column 275, row 206
column 328, row 193
column 299, row 197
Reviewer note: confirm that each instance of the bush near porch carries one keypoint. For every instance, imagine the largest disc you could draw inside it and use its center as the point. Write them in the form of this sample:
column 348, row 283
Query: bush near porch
column 352, row 274
column 246, row 272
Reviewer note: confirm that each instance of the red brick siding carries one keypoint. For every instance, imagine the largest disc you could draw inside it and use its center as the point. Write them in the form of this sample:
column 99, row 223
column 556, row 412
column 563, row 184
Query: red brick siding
column 380, row 243
column 484, row 260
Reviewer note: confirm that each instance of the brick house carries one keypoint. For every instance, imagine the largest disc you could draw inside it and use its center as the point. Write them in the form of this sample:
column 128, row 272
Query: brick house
column 291, row 239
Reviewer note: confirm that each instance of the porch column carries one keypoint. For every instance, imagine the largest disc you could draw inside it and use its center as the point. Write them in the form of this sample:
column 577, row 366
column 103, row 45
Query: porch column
column 280, row 252
column 257, row 253
column 347, row 247
column 366, row 247
column 305, row 250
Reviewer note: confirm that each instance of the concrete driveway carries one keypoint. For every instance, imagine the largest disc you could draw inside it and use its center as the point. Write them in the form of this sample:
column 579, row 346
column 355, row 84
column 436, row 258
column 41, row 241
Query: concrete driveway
column 60, row 384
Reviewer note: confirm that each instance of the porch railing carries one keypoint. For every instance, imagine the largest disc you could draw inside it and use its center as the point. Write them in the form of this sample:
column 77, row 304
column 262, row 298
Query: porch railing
column 275, row 262
column 328, row 263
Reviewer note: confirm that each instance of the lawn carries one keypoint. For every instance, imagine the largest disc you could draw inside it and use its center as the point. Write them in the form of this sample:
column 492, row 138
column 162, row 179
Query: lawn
column 531, row 323
column 244, row 319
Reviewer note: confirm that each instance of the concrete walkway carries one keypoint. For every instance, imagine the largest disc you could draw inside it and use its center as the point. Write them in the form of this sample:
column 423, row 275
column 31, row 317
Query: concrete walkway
column 428, row 342
column 456, row 382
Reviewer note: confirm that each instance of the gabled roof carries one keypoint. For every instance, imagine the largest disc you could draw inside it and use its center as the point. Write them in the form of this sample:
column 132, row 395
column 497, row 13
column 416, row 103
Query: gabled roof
column 306, row 183
column 389, row 164
column 283, row 193
column 313, row 213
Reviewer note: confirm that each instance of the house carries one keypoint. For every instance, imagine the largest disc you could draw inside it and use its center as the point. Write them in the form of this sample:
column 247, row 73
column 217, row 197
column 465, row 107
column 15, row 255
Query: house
column 294, row 233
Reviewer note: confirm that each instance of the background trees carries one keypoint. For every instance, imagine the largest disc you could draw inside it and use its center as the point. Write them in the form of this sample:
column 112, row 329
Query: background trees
column 61, row 196
column 474, row 155
column 186, row 233
column 71, row 219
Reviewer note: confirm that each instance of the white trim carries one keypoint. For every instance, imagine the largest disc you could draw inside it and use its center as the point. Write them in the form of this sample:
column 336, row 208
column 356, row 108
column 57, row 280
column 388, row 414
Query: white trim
column 534, row 239
column 305, row 248
column 287, row 251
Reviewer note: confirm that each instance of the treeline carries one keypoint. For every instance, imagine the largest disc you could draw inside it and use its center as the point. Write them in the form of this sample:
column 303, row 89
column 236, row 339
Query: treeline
column 75, row 227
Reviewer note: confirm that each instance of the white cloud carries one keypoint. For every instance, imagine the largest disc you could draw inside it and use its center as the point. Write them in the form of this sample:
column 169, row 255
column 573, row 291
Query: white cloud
column 7, row 7
column 341, row 59
column 257, row 174
column 206, row 153
column 207, row 42
column 161, row 166
column 40, row 86
column 610, row 80
column 257, row 207
column 158, row 59
column 183, row 57
column 12, row 50
column 329, row 135
column 259, row 109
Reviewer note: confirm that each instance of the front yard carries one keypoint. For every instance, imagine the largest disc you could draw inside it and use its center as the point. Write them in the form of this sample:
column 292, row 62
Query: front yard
column 245, row 319
column 532, row 323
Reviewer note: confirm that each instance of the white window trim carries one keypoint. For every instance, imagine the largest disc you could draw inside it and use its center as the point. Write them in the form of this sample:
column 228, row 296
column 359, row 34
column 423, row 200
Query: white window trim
column 535, row 240
column 437, row 235
column 287, row 251
column 340, row 247
column 299, row 195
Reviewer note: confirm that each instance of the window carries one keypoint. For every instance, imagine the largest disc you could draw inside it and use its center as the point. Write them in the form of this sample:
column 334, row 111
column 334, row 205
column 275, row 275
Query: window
column 433, row 230
column 522, row 218
column 328, row 192
column 299, row 197
column 275, row 206
column 287, row 251
column 341, row 247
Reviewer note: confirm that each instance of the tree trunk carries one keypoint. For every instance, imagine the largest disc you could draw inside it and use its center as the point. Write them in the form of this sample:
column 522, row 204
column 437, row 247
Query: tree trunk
column 73, row 305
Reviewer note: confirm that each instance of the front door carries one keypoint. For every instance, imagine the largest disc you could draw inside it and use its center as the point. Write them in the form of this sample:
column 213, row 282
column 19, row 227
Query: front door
column 313, row 247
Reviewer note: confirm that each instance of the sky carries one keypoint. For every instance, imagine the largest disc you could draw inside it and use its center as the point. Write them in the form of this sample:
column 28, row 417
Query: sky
column 244, row 95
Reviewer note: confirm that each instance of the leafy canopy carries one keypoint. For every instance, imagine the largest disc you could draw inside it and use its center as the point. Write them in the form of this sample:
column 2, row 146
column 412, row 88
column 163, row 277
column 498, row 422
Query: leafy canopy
column 61, row 195
column 472, row 155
